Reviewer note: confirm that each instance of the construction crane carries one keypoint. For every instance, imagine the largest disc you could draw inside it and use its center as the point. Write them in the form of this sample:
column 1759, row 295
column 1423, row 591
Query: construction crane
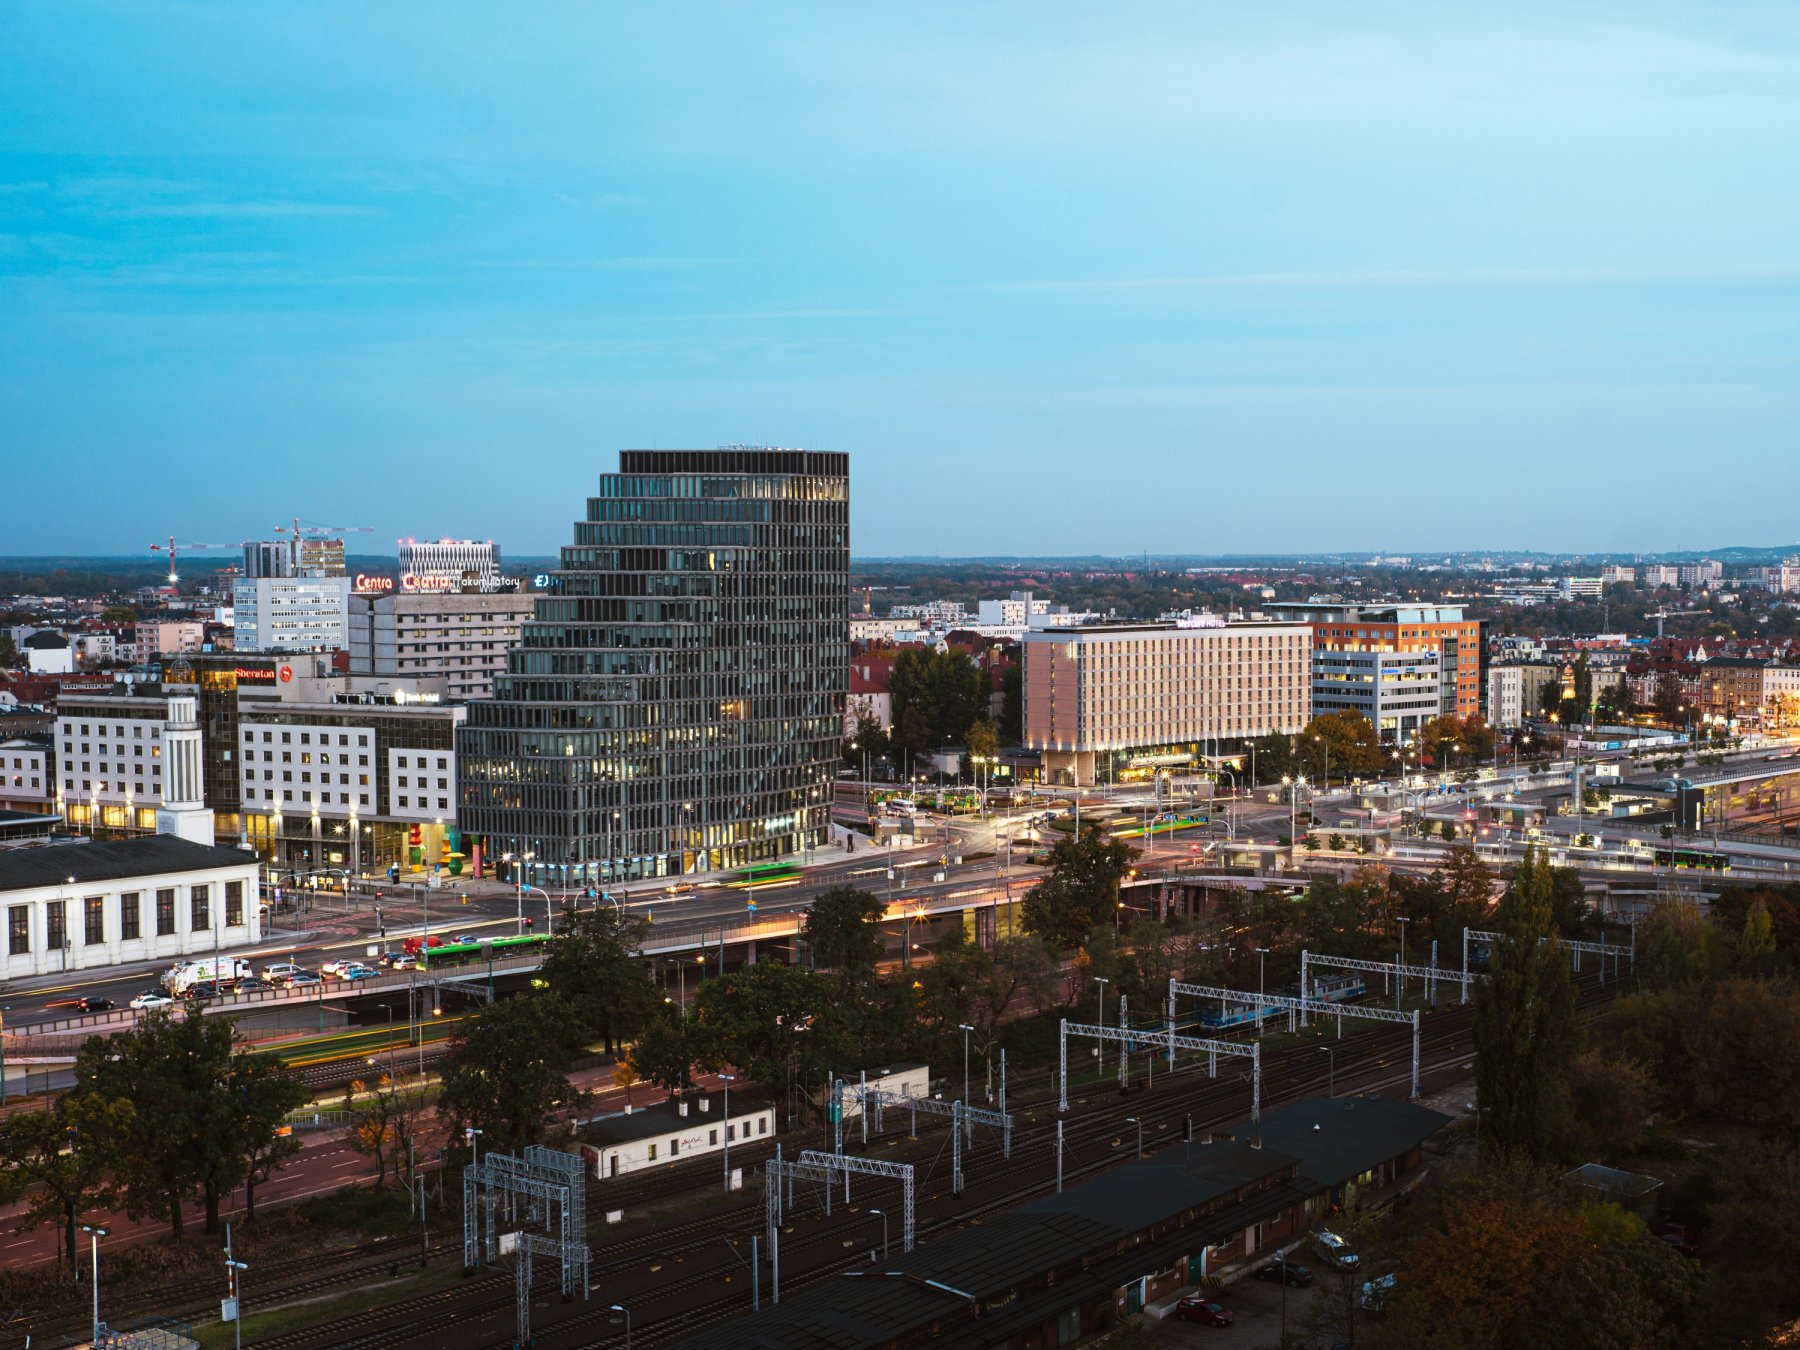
column 299, row 531
column 172, row 549
column 1661, row 614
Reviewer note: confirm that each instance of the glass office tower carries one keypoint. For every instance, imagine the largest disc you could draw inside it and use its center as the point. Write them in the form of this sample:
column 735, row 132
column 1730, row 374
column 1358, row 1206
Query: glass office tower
column 676, row 702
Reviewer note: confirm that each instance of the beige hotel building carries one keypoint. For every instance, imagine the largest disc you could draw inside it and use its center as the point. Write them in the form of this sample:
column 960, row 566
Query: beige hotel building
column 1121, row 700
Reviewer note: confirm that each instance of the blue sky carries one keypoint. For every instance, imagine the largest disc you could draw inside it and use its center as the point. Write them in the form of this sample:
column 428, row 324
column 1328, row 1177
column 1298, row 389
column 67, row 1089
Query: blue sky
column 1061, row 278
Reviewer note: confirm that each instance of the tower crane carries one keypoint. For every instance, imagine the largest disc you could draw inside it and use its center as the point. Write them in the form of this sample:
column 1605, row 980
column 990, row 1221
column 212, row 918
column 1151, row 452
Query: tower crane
column 172, row 549
column 1661, row 614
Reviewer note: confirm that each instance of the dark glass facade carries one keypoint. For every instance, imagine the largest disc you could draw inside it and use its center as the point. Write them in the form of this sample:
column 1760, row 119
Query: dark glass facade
column 676, row 702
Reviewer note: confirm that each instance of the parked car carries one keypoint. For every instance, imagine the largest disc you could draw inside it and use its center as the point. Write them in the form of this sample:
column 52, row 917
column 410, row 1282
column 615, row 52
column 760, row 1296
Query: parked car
column 1333, row 1250
column 1375, row 1293
column 1199, row 1308
column 395, row 960
column 152, row 998
column 94, row 1003
column 1297, row 1277
column 1676, row 1236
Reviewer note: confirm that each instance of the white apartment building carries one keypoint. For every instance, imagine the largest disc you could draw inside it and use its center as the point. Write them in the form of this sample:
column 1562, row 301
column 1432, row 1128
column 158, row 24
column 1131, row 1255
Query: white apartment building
column 1398, row 691
column 1580, row 588
column 1652, row 575
column 1617, row 574
column 25, row 778
column 85, row 906
column 461, row 636
column 1699, row 575
column 110, row 760
column 1505, row 697
column 432, row 564
column 1782, row 579
column 1126, row 699
column 291, row 614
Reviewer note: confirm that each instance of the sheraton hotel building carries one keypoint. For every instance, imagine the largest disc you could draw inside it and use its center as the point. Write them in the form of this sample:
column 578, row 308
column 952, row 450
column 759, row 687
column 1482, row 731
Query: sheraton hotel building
column 676, row 702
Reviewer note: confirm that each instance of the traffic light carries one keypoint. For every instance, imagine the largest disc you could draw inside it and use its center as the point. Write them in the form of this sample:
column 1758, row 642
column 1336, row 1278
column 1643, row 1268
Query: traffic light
column 750, row 905
column 529, row 922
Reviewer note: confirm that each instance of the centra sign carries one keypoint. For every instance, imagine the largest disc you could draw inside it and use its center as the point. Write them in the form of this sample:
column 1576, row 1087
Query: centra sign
column 368, row 585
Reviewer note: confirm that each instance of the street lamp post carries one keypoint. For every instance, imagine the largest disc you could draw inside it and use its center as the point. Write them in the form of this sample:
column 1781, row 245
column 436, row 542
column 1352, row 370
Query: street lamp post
column 727, row 1080
column 1331, row 1050
column 1100, row 1048
column 965, row 1028
column 1133, row 1120
column 96, row 1232
column 884, row 1232
column 1400, row 980
column 621, row 1308
column 234, row 1270
column 1261, row 955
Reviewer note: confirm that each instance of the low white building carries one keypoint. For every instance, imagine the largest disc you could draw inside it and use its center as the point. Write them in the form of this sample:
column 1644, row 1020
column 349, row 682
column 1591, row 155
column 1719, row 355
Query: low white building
column 682, row 1127
column 892, row 1080
column 88, row 906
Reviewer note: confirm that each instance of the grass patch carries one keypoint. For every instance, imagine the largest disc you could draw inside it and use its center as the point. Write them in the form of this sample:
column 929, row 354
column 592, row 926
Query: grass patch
column 312, row 1311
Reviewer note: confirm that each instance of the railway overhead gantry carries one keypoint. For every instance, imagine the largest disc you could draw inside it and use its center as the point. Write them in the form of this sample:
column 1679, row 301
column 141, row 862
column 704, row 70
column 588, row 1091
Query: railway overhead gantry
column 1136, row 1036
column 1429, row 974
column 1576, row 949
column 1301, row 1006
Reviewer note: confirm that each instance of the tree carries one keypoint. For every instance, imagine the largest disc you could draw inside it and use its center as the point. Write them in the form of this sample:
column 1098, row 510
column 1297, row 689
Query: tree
column 1341, row 743
column 1608, row 1098
column 936, row 695
column 1272, row 759
column 266, row 1091
column 1080, row 888
column 1756, row 941
column 1024, row 966
column 9, row 653
column 866, row 742
column 63, row 1161
column 381, row 1122
column 662, row 1055
column 1012, row 704
column 594, row 966
column 1678, row 945
column 1571, row 912
column 509, row 1070
column 766, row 1020
column 625, row 1072
column 1669, row 703
column 1524, row 1020
column 1608, row 1281
column 1752, row 1239
column 191, row 1130
column 843, row 931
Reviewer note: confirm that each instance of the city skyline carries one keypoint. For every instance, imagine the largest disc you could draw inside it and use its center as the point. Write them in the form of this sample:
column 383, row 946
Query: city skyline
column 1255, row 283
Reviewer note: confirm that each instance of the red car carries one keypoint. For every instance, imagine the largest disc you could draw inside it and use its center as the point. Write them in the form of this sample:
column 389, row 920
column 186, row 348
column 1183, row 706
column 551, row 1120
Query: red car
column 1203, row 1311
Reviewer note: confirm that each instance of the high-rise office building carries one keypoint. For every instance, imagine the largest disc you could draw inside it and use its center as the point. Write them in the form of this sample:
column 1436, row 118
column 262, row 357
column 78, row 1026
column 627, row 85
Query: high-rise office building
column 676, row 701
column 449, row 564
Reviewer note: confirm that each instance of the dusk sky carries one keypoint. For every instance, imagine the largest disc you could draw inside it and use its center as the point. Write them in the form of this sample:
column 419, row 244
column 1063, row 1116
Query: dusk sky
column 1060, row 279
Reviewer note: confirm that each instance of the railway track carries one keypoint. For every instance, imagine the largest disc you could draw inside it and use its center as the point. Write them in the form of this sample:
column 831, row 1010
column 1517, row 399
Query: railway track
column 813, row 1247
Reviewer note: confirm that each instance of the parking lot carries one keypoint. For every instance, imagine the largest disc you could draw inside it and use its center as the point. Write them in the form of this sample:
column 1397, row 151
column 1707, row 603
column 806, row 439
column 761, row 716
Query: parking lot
column 1256, row 1325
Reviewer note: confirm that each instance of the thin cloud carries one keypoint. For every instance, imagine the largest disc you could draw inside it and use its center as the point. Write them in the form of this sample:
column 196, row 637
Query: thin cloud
column 248, row 210
column 1397, row 279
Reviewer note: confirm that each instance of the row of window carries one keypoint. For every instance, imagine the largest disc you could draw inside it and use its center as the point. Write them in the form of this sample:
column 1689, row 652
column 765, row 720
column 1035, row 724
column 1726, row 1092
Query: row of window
column 130, row 915
column 732, row 1134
